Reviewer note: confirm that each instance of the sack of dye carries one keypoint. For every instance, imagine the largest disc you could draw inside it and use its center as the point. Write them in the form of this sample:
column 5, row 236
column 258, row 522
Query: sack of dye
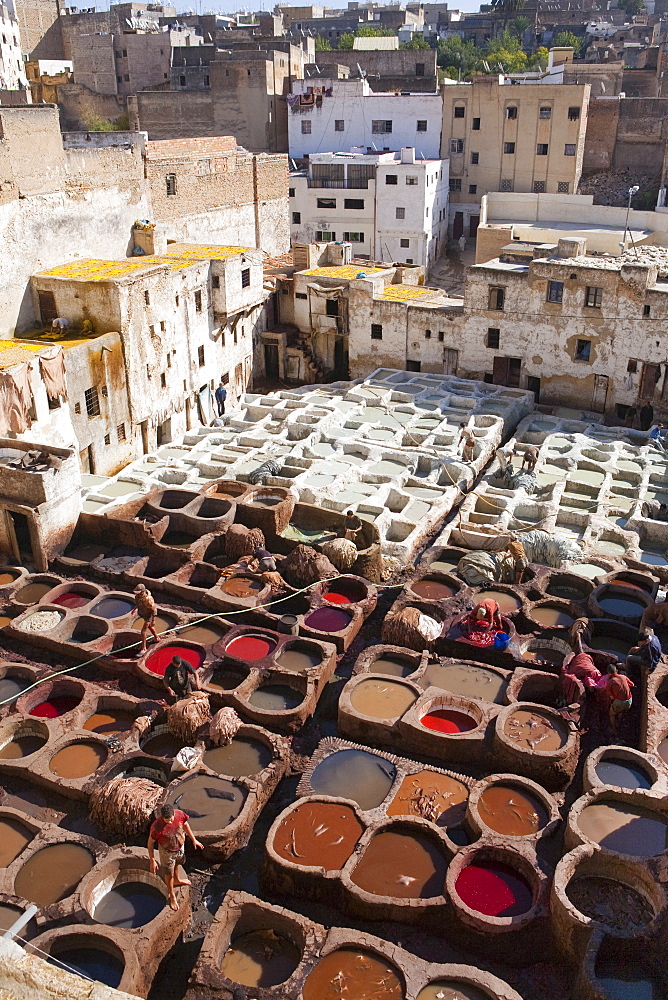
column 186, row 759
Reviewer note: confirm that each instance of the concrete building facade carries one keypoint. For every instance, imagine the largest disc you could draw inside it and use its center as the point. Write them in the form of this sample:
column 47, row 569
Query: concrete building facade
column 390, row 206
column 504, row 138
column 346, row 115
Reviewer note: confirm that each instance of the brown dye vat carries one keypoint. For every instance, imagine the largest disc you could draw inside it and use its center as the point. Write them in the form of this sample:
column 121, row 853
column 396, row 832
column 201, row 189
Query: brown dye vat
column 544, row 654
column 433, row 796
column 4, row 620
column 242, row 757
column 406, row 865
column 211, row 803
column 14, row 836
column 534, row 730
column 109, row 721
column 21, row 746
column 78, row 760
column 508, row 603
column 227, row 678
column 511, row 812
column 450, row 989
column 394, row 666
column 260, row 958
column 380, row 699
column 6, row 578
column 32, row 592
column 320, row 834
column 354, row 974
column 551, row 617
column 298, row 658
column 242, row 587
column 205, row 635
column 466, row 680
column 432, row 590
column 165, row 745
column 53, row 873
column 624, row 828
column 610, row 902
column 162, row 623
column 9, row 915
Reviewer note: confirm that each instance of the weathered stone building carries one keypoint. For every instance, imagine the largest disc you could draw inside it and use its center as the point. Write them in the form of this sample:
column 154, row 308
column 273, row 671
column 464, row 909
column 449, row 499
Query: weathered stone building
column 405, row 69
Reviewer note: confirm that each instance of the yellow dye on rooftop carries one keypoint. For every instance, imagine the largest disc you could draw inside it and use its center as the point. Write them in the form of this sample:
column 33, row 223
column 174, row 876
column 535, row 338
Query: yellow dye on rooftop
column 401, row 293
column 178, row 256
column 343, row 272
column 13, row 352
column 194, row 251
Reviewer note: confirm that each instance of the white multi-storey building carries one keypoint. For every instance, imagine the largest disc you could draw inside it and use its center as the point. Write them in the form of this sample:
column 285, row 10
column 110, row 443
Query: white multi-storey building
column 390, row 206
column 12, row 70
column 346, row 115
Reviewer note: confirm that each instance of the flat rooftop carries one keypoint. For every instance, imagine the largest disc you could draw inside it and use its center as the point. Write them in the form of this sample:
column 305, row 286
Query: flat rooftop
column 179, row 256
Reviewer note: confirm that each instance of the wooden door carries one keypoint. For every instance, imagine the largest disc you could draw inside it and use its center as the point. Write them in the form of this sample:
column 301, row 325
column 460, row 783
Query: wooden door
column 474, row 222
column 450, row 361
column 47, row 307
column 271, row 360
column 600, row 393
column 458, row 226
column 500, row 371
column 650, row 376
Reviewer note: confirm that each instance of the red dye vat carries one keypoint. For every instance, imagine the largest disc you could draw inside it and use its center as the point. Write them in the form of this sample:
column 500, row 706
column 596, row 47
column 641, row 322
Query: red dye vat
column 334, row 598
column 445, row 720
column 71, row 600
column 328, row 620
column 54, row 707
column 250, row 647
column 494, row 889
column 158, row 662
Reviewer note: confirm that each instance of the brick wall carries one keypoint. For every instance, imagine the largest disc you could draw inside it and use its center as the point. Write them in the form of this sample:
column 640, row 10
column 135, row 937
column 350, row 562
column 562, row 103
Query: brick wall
column 602, row 122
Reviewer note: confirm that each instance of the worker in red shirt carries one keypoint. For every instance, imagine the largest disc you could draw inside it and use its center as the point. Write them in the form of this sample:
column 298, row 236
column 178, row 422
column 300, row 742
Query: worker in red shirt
column 618, row 693
column 169, row 832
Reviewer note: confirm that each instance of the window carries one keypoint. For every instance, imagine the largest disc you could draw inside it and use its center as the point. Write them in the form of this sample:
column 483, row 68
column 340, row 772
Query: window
column 380, row 126
column 582, row 350
column 411, row 180
column 473, row 188
column 455, row 183
column 176, row 299
column 291, row 192
column 541, row 149
column 456, row 145
column 563, row 187
column 355, row 203
column 493, row 337
column 509, row 147
column 170, row 181
column 306, row 126
column 119, row 79
column 475, row 157
column 339, row 125
column 475, row 125
column 77, row 407
column 506, row 185
column 245, row 277
column 569, row 149
column 497, row 298
column 296, row 218
column 511, row 113
column 147, row 298
column 206, row 81
column 332, row 307
column 163, row 325
column 539, row 187
column 390, row 178
column 301, row 295
column 573, row 114
column 419, row 69
column 441, row 335
column 376, row 331
column 555, row 291
column 215, row 282
column 151, row 330
column 92, row 402
column 594, row 297
column 404, row 244
column 460, row 111
column 412, row 366
column 646, row 311
column 125, row 53
column 409, row 260
column 182, row 81
column 399, row 212
column 427, row 334
column 198, row 301
column 326, row 202
column 325, row 236
column 421, row 125
column 225, row 379
column 545, row 111
column 354, row 237
column 200, row 355
column 163, row 380
column 120, row 432
column 632, row 366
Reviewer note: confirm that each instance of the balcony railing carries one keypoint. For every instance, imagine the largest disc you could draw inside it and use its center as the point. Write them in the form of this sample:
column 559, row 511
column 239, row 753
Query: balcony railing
column 357, row 185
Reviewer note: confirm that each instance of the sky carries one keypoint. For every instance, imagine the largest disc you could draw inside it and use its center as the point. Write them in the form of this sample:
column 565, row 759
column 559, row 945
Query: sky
column 229, row 6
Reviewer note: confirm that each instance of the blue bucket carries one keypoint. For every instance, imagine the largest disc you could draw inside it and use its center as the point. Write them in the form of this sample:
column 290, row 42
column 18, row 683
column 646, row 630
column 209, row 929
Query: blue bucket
column 501, row 640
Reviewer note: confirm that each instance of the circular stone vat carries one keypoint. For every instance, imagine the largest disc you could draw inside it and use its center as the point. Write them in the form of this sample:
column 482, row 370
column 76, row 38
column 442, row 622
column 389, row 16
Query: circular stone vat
column 512, row 810
column 623, row 828
column 226, row 677
column 537, row 650
column 261, row 957
column 109, row 721
column 551, row 615
column 345, row 591
column 467, row 680
column 113, row 607
column 610, row 901
column 44, row 620
column 211, row 803
column 267, row 499
column 542, row 688
column 622, row 772
column 328, row 620
column 535, row 730
column 14, row 837
column 53, row 873
column 99, row 961
column 158, row 661
column 163, row 623
column 205, row 635
column 406, row 864
column 448, row 720
column 318, row 834
column 25, row 739
column 354, row 774
column 55, row 706
column 432, row 588
column 11, row 685
column 395, row 666
column 8, row 575
column 251, row 647
column 74, row 598
column 451, row 989
column 130, row 902
column 299, row 656
column 78, row 760
column 494, row 888
column 356, row 973
column 568, row 587
column 276, row 697
column 382, row 699
column 433, row 796
column 243, row 757
column 609, row 636
column 161, row 742
column 34, row 591
column 508, row 603
column 618, row 603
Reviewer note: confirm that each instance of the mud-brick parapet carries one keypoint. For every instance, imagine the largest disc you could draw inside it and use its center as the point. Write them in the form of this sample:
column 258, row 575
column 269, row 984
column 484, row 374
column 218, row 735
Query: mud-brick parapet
column 320, row 958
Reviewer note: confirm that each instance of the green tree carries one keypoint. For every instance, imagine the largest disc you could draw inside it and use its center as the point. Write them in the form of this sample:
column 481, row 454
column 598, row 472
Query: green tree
column 346, row 40
column 519, row 26
column 122, row 123
column 93, row 122
column 505, row 51
column 632, row 7
column 416, row 42
column 539, row 59
column 322, row 44
column 569, row 39
column 458, row 58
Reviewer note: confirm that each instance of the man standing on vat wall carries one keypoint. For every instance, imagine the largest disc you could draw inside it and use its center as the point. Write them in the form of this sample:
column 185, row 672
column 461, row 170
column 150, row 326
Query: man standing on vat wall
column 169, row 833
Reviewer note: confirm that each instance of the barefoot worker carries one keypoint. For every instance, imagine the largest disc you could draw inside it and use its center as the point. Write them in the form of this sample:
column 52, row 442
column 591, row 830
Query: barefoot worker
column 169, row 832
